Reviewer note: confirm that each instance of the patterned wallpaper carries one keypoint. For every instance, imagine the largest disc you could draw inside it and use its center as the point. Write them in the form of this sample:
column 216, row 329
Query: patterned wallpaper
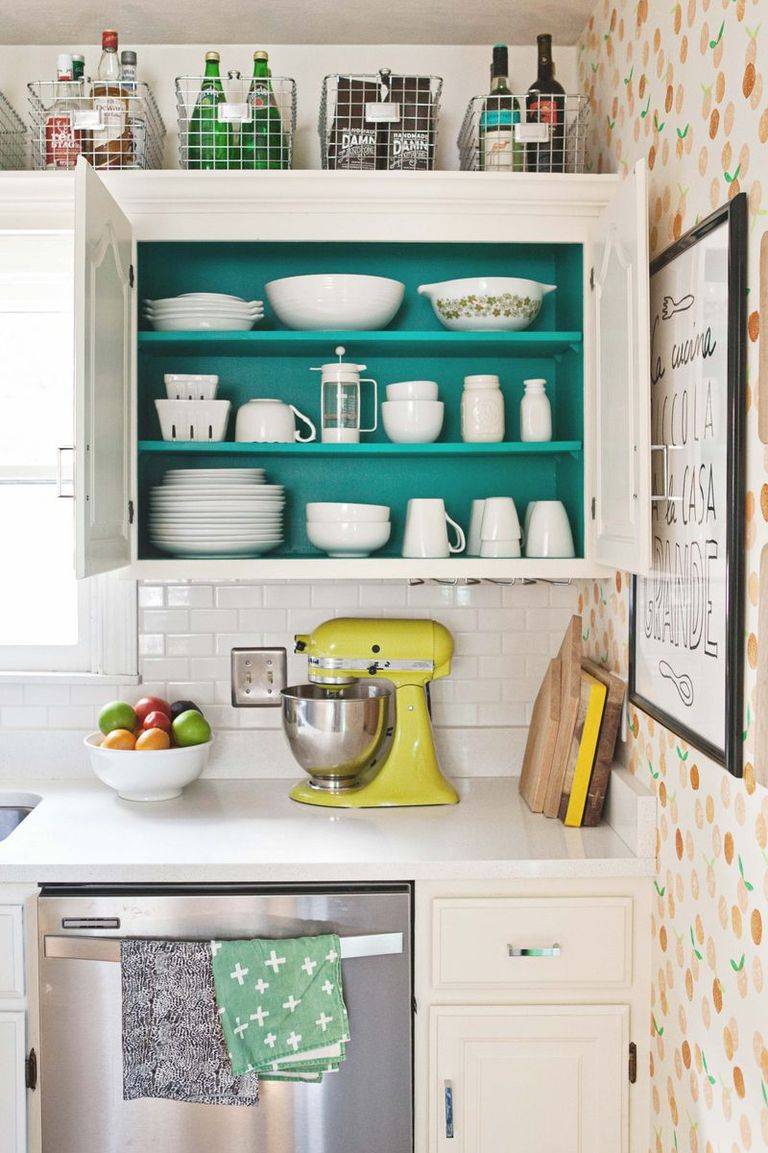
column 686, row 86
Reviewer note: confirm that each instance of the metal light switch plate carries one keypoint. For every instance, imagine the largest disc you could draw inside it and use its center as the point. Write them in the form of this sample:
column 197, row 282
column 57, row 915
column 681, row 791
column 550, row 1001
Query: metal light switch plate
column 258, row 675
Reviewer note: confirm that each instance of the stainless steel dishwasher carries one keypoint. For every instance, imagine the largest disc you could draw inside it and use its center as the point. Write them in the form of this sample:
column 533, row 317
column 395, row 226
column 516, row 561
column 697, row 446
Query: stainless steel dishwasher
column 364, row 1108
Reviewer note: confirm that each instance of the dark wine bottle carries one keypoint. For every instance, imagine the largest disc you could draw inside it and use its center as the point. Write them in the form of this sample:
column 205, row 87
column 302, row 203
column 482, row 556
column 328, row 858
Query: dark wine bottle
column 545, row 104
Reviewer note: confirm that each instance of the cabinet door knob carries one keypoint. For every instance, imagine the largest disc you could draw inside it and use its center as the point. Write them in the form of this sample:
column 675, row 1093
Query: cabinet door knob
column 448, row 1102
column 538, row 951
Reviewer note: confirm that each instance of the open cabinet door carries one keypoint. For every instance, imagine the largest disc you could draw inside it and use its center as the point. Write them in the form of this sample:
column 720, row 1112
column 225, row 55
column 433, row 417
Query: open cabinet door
column 621, row 511
column 103, row 253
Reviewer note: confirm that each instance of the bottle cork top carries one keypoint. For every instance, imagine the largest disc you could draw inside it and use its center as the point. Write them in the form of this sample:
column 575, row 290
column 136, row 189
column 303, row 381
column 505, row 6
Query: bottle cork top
column 261, row 55
column 212, row 56
column 109, row 39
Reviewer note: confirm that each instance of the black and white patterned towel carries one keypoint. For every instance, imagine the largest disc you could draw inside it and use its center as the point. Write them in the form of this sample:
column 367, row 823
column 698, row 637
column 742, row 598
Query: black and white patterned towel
column 173, row 1045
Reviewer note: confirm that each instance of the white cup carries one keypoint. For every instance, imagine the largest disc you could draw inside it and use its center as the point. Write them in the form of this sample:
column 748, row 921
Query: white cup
column 500, row 520
column 426, row 530
column 412, row 390
column 270, row 421
column 549, row 531
column 500, row 548
column 527, row 519
column 475, row 523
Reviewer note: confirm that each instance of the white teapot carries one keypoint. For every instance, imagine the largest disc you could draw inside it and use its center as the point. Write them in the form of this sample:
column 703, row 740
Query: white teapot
column 271, row 421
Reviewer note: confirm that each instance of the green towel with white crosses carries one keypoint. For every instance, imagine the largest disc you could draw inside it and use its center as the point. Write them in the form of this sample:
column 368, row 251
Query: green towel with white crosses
column 281, row 1006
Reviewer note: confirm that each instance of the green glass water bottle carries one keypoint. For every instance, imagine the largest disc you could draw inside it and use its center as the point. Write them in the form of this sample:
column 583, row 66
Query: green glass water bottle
column 209, row 139
column 263, row 144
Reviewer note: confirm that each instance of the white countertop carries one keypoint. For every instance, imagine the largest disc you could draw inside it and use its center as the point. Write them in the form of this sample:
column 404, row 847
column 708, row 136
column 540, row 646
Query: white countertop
column 249, row 830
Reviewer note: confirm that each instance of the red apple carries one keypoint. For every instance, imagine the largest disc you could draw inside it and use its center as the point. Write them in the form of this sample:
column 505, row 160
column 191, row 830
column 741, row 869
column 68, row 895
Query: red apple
column 150, row 705
column 157, row 720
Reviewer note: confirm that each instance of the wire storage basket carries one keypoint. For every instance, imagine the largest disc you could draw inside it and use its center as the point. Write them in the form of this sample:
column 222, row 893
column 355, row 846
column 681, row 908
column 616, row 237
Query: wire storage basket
column 112, row 124
column 13, row 137
column 236, row 123
column 527, row 132
column 382, row 121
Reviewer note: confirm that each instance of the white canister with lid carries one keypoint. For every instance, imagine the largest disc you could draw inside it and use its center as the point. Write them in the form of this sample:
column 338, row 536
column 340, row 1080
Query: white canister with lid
column 535, row 412
column 482, row 410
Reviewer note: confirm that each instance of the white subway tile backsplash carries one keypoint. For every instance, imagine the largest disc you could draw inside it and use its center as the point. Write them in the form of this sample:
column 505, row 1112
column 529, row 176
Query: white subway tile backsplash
column 191, row 596
column 503, row 637
column 189, row 644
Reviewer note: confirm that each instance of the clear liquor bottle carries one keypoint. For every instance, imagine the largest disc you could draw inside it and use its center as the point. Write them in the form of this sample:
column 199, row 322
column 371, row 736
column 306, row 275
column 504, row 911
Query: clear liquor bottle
column 111, row 142
column 63, row 142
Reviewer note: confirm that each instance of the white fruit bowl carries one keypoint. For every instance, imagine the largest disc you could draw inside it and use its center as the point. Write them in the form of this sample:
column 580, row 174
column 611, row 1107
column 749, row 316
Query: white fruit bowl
column 334, row 512
column 148, row 775
column 334, row 301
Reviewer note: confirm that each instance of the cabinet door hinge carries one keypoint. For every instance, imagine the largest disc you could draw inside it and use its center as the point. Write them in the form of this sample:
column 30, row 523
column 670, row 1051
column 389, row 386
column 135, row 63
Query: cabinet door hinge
column 592, row 507
column 130, row 512
column 131, row 275
column 592, row 279
column 30, row 1070
column 632, row 1062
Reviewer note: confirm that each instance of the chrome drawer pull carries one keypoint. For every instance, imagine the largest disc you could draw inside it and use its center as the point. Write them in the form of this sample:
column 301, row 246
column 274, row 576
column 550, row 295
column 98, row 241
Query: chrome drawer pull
column 448, row 1098
column 546, row 951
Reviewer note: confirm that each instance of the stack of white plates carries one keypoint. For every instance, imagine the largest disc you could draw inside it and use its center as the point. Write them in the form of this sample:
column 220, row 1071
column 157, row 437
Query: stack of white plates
column 212, row 512
column 203, row 311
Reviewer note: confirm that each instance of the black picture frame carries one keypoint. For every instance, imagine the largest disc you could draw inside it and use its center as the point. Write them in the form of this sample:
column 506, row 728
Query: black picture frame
column 730, row 755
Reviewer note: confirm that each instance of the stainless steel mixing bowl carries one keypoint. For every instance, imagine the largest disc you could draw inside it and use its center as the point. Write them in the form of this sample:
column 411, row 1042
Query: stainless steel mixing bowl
column 340, row 734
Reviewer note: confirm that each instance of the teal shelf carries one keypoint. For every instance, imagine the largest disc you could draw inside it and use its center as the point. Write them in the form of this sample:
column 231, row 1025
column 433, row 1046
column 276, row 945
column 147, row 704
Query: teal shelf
column 388, row 342
column 314, row 449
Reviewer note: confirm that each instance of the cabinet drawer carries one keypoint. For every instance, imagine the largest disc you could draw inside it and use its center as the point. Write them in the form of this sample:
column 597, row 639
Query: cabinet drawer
column 572, row 942
column 11, row 951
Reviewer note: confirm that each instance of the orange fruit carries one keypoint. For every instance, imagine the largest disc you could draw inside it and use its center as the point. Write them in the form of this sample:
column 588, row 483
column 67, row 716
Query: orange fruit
column 119, row 739
column 153, row 739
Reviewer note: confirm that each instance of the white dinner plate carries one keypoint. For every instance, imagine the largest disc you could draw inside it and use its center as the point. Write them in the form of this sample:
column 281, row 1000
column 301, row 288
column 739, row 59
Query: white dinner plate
column 199, row 324
column 214, row 476
column 241, row 538
column 231, row 548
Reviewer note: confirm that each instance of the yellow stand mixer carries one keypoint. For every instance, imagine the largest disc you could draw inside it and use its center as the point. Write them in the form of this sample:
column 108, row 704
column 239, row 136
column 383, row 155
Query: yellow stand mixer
column 361, row 728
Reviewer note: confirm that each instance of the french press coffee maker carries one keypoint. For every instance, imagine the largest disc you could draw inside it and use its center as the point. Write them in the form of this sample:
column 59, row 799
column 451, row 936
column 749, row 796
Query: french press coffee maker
column 340, row 401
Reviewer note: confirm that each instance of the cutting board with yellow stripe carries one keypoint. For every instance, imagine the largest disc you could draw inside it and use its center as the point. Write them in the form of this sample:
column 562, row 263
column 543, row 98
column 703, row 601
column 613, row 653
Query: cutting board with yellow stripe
column 581, row 755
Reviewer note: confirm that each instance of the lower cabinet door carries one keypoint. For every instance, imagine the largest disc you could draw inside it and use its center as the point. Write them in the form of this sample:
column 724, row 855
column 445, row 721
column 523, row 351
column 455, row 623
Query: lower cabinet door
column 13, row 1094
column 533, row 1078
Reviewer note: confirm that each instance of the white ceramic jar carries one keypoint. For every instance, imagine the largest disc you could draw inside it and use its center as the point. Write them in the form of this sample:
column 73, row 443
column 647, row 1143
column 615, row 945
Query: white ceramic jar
column 535, row 412
column 482, row 410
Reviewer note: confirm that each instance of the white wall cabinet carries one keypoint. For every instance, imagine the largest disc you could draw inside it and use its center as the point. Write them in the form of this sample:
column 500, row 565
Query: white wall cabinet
column 546, row 1078
column 590, row 229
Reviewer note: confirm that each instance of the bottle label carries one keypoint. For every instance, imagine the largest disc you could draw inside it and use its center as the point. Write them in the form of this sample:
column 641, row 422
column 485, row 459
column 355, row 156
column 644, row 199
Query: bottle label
column 63, row 143
column 544, row 109
column 409, row 150
column 499, row 151
column 112, row 114
column 258, row 97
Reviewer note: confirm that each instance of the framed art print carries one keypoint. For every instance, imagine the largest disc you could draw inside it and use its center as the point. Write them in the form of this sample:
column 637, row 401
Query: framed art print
column 686, row 615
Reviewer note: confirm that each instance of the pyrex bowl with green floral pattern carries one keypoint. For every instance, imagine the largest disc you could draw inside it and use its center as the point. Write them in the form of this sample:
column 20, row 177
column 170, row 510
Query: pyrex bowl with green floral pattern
column 487, row 303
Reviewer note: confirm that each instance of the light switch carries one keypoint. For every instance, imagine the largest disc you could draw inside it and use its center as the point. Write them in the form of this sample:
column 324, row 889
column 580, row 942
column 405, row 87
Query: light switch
column 258, row 675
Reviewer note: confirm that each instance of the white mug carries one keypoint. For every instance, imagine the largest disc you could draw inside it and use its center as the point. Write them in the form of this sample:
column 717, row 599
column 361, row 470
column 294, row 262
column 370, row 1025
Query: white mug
column 271, row 421
column 549, row 531
column 426, row 530
column 500, row 520
column 500, row 548
column 475, row 523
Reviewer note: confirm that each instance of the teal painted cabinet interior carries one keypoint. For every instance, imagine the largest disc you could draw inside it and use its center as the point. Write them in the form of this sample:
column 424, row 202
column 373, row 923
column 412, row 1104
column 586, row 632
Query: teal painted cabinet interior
column 272, row 361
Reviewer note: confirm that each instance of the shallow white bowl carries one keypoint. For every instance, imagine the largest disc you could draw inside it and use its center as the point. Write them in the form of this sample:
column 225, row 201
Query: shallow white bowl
column 202, row 323
column 412, row 421
column 348, row 538
column 330, row 513
column 335, row 300
column 156, row 775
column 486, row 303
column 412, row 390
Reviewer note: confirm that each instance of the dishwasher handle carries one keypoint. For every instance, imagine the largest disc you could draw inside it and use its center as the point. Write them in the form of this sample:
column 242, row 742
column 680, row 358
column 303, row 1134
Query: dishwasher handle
column 81, row 948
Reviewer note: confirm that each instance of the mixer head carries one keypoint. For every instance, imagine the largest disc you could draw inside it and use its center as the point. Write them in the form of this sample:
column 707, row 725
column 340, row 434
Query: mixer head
column 405, row 652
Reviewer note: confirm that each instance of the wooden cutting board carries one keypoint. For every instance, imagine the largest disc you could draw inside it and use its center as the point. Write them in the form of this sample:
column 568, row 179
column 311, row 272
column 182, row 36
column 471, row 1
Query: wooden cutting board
column 762, row 378
column 609, row 731
column 570, row 695
column 761, row 693
column 542, row 737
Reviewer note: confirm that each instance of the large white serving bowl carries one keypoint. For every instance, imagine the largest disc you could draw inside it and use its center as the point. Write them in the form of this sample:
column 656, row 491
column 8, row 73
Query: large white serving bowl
column 412, row 421
column 335, row 300
column 330, row 512
column 348, row 538
column 147, row 775
column 486, row 303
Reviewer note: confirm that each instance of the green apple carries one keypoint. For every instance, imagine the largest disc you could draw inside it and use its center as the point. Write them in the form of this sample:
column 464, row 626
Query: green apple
column 191, row 728
column 117, row 715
